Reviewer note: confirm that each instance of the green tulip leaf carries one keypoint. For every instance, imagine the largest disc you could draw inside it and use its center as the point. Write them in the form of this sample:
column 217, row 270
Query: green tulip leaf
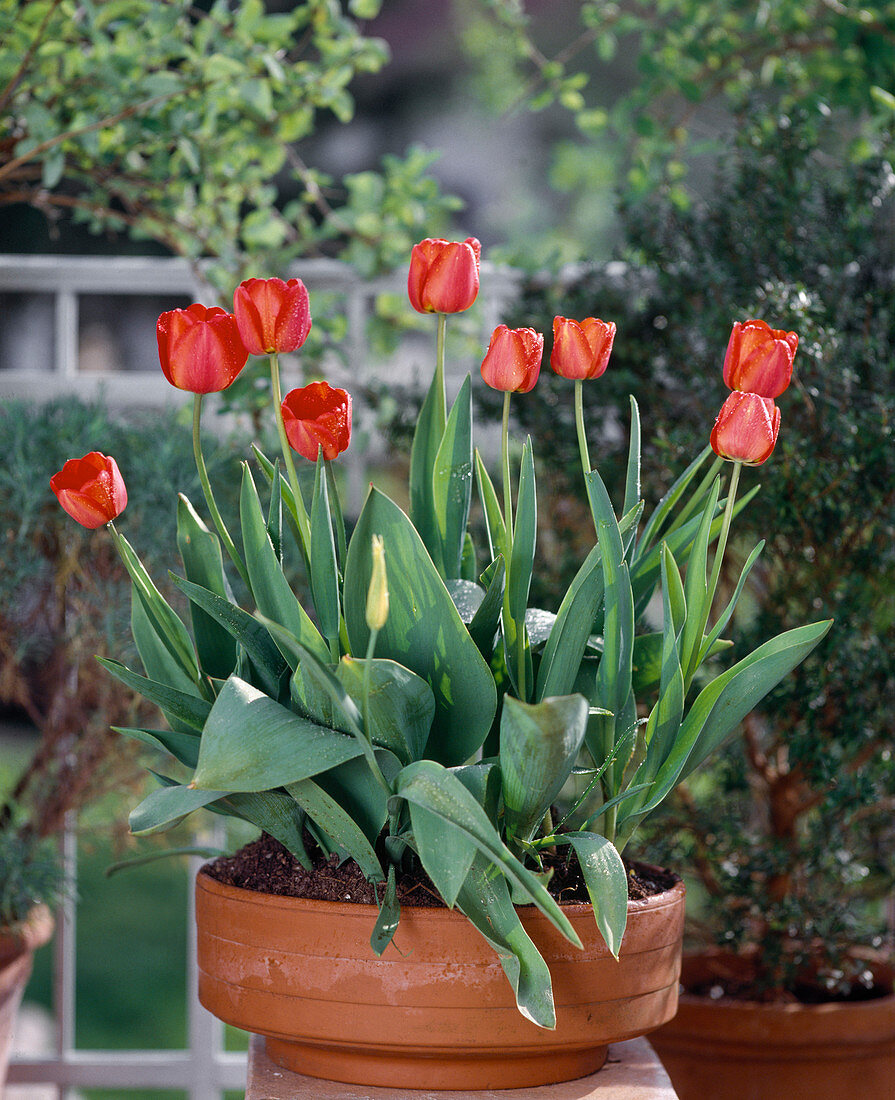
column 467, row 597
column 606, row 881
column 389, row 915
column 273, row 596
column 485, row 900
column 446, row 852
column 427, row 438
column 166, row 807
column 188, row 710
column 359, row 792
column 324, row 568
column 251, row 743
column 274, row 812
column 423, row 632
column 200, row 552
column 575, row 619
column 338, row 824
column 452, row 481
column 483, row 625
column 158, row 662
column 182, row 746
column 524, row 536
column 538, row 747
column 494, row 519
column 632, row 475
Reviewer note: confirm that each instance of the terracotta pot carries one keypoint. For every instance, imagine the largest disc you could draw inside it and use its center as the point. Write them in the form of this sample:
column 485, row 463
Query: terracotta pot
column 738, row 1050
column 17, row 946
column 436, row 1011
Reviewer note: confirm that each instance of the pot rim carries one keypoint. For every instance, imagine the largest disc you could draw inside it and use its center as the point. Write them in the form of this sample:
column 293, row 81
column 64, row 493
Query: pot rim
column 669, row 897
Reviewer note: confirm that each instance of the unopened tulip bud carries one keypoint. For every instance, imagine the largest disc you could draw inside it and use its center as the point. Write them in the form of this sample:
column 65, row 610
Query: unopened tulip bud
column 759, row 358
column 513, row 360
column 377, row 593
column 91, row 489
column 746, row 429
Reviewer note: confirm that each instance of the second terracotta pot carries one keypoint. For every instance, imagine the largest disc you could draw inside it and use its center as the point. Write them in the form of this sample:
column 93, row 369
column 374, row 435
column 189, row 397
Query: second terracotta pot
column 436, row 1011
column 728, row 1049
column 17, row 947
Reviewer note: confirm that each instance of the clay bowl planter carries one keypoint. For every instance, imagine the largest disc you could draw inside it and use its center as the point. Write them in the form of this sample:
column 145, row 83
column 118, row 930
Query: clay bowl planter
column 17, row 946
column 740, row 1050
column 436, row 1011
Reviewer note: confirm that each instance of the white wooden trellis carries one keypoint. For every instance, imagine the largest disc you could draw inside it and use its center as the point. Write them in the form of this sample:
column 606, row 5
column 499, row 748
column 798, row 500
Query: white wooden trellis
column 204, row 1069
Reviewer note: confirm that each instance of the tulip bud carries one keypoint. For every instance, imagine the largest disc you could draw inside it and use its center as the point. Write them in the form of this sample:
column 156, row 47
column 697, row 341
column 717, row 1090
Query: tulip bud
column 746, row 428
column 444, row 275
column 200, row 349
column 513, row 359
column 317, row 416
column 272, row 316
column 91, row 489
column 581, row 350
column 377, row 593
column 759, row 358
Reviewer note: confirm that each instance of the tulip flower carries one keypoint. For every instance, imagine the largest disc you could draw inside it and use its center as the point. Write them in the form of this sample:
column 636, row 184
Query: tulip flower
column 581, row 349
column 746, row 428
column 759, row 358
column 200, row 349
column 444, row 275
column 513, row 359
column 315, row 416
column 91, row 489
column 272, row 316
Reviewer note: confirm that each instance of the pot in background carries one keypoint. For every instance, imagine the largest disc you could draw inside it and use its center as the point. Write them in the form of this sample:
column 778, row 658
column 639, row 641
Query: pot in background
column 436, row 1011
column 730, row 1049
column 17, row 946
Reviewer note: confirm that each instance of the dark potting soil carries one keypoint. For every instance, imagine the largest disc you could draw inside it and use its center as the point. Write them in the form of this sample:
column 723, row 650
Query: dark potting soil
column 267, row 866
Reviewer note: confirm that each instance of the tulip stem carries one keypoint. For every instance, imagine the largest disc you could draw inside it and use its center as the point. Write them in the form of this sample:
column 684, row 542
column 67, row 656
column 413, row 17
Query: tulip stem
column 579, row 424
column 725, row 529
column 507, row 485
column 301, row 513
column 441, row 396
column 209, row 495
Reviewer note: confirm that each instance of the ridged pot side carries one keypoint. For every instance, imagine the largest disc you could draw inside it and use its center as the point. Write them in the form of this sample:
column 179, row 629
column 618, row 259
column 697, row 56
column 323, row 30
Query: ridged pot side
column 17, row 947
column 741, row 1050
column 436, row 1011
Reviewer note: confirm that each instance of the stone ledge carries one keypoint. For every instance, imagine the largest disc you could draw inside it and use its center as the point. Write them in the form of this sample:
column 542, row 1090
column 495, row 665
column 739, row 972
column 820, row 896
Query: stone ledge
column 632, row 1072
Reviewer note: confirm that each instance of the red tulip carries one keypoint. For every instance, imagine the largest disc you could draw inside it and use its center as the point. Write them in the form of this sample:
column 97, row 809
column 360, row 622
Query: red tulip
column 513, row 359
column 317, row 416
column 759, row 358
column 581, row 350
column 91, row 489
column 200, row 349
column 444, row 275
column 272, row 315
column 746, row 428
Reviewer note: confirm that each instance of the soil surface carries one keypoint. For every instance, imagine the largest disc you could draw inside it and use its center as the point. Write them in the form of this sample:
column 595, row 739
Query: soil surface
column 267, row 866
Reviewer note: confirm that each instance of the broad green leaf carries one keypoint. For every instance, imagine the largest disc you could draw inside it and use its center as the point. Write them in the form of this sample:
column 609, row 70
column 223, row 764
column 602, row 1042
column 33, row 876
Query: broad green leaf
column 606, row 881
column 632, row 476
column 251, row 743
column 251, row 635
column 187, row 709
column 359, row 792
column 446, row 852
column 483, row 627
column 538, row 748
column 723, row 703
column 467, row 597
column 524, row 536
column 562, row 654
column 452, row 481
column 339, row 825
column 324, row 568
column 423, row 631
column 427, row 437
column 273, row 596
column 164, row 620
column 485, row 900
column 494, row 520
column 274, row 812
column 389, row 915
column 432, row 787
column 182, row 746
column 158, row 662
column 200, row 552
column 166, row 807
column 401, row 703
column 696, row 593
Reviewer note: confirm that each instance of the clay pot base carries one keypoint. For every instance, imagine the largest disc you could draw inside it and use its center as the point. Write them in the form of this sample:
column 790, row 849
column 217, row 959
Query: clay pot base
column 436, row 1011
column 440, row 1069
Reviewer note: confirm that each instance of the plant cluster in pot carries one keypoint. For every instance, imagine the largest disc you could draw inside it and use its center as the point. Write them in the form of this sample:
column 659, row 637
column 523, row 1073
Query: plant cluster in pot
column 426, row 723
